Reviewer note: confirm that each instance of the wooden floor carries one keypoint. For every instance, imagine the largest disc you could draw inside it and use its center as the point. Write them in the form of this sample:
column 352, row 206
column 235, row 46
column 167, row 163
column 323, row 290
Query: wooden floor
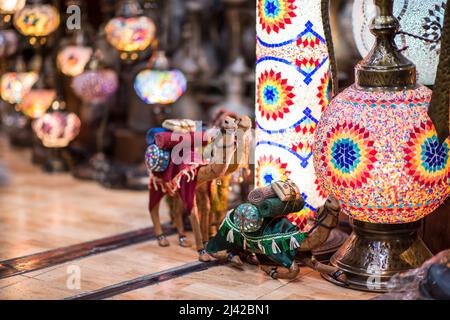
column 41, row 212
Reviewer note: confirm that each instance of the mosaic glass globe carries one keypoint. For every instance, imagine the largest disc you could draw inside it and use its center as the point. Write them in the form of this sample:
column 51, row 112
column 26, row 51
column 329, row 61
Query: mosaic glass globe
column 38, row 20
column 57, row 129
column 95, row 86
column 8, row 43
column 422, row 23
column 160, row 87
column 36, row 103
column 11, row 6
column 72, row 59
column 156, row 159
column 15, row 85
column 378, row 153
column 130, row 34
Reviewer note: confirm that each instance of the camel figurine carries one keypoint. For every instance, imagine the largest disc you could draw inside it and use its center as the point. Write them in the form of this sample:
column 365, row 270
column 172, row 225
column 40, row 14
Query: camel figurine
column 326, row 220
column 223, row 162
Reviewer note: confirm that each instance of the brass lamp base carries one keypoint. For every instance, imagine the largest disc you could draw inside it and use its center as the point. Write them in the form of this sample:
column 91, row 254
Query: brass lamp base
column 375, row 252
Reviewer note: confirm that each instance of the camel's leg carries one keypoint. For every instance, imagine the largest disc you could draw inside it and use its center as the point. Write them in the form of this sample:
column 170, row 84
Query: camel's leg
column 332, row 271
column 193, row 217
column 162, row 240
column 273, row 272
column 204, row 209
column 178, row 212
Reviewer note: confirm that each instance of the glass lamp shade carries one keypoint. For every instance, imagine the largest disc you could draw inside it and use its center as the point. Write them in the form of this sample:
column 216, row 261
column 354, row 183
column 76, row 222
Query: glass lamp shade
column 11, row 6
column 15, row 85
column 57, row 129
column 160, row 87
column 8, row 43
column 37, row 20
column 36, row 103
column 421, row 20
column 130, row 34
column 72, row 59
column 378, row 153
column 95, row 86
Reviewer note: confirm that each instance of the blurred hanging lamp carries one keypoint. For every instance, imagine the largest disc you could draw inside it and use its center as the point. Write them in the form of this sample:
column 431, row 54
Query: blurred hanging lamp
column 14, row 86
column 378, row 152
column 419, row 37
column 8, row 8
column 36, row 21
column 56, row 129
column 97, row 83
column 130, row 32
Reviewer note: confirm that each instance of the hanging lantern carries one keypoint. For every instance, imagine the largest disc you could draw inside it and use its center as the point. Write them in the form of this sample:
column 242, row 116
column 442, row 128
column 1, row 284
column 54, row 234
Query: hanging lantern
column 95, row 86
column 57, row 129
column 15, row 85
column 37, row 21
column 160, row 87
column 420, row 35
column 72, row 59
column 36, row 103
column 130, row 34
column 377, row 151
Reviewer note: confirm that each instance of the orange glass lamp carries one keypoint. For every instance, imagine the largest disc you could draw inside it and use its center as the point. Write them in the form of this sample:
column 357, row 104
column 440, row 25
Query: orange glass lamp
column 36, row 103
column 72, row 60
column 130, row 32
column 14, row 86
column 36, row 21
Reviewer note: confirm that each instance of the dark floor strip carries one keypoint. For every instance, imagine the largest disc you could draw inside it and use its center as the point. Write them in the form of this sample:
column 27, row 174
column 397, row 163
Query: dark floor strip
column 33, row 262
column 147, row 280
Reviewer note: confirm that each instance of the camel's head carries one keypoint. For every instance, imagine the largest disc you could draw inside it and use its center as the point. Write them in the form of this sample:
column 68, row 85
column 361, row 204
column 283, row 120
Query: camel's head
column 244, row 123
column 228, row 124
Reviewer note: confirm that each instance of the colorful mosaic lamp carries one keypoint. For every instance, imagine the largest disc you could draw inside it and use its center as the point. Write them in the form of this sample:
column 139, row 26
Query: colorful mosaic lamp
column 15, row 85
column 130, row 32
column 36, row 21
column 420, row 36
column 95, row 86
column 72, row 59
column 36, row 103
column 159, row 85
column 293, row 86
column 377, row 151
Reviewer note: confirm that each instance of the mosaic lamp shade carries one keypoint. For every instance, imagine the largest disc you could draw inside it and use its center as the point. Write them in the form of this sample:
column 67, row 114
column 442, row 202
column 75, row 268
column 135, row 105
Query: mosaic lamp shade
column 57, row 129
column 15, row 85
column 37, row 20
column 36, row 103
column 95, row 86
column 421, row 28
column 292, row 90
column 376, row 148
column 72, row 60
column 160, row 86
column 130, row 34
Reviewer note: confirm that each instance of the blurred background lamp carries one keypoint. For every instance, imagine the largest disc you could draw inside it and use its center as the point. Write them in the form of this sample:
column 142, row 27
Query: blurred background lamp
column 36, row 103
column 95, row 86
column 37, row 20
column 57, row 129
column 15, row 85
column 160, row 87
column 72, row 59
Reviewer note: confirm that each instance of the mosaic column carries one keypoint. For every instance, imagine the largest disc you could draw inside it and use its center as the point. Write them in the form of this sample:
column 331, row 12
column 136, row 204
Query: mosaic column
column 292, row 91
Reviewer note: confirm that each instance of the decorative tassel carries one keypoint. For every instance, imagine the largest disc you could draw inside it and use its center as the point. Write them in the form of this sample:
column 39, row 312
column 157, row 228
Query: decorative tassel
column 294, row 243
column 245, row 244
column 275, row 248
column 230, row 236
column 261, row 247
